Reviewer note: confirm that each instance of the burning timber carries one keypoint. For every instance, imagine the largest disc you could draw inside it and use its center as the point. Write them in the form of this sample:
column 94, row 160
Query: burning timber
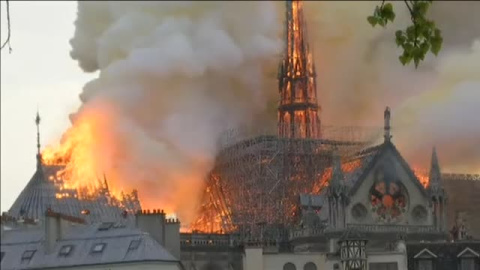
column 48, row 190
column 254, row 186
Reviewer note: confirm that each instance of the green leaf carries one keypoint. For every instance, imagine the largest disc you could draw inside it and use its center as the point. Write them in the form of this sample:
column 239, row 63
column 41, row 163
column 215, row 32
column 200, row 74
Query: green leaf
column 381, row 22
column 405, row 59
column 436, row 45
column 416, row 60
column 372, row 20
column 408, row 47
column 411, row 32
column 399, row 33
column 388, row 13
column 400, row 40
column 425, row 46
column 420, row 8
column 377, row 12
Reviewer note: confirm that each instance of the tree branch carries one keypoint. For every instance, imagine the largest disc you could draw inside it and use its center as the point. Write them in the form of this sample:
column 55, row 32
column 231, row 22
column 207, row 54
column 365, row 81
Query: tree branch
column 7, row 41
column 411, row 11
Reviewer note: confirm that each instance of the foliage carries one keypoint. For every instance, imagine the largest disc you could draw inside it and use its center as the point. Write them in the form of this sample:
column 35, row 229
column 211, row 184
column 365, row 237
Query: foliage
column 417, row 39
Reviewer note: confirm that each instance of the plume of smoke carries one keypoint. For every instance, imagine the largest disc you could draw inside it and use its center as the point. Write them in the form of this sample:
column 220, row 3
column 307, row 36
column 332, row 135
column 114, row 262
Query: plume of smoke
column 172, row 77
column 359, row 74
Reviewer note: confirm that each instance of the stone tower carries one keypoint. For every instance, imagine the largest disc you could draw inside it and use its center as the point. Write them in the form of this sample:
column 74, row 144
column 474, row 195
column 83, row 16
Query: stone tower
column 337, row 196
column 298, row 110
column 437, row 193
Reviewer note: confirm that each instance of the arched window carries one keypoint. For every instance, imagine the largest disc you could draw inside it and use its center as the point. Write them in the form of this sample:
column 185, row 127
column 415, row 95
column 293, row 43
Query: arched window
column 289, row 266
column 310, row 266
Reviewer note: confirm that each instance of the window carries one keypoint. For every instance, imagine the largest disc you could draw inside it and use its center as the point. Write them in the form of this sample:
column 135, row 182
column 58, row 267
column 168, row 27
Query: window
column 289, row 266
column 134, row 244
column 28, row 254
column 424, row 264
column 65, row 250
column 105, row 226
column 467, row 264
column 310, row 266
column 98, row 248
column 383, row 266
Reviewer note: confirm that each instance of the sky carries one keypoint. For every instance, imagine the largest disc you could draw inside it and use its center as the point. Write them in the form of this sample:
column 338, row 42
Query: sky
column 35, row 75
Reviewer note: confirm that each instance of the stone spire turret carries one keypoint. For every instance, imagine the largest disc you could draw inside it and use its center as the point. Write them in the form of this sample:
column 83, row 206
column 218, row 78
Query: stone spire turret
column 435, row 175
column 337, row 183
column 437, row 193
column 337, row 195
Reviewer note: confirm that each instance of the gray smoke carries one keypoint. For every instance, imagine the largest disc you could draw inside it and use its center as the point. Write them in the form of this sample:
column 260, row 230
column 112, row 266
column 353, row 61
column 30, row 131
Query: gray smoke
column 435, row 105
column 172, row 77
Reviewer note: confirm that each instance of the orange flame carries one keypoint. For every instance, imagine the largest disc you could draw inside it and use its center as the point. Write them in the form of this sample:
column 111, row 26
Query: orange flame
column 422, row 175
column 78, row 153
column 347, row 167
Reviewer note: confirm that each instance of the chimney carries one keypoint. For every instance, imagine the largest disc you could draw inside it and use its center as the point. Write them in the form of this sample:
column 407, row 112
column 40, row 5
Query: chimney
column 54, row 226
column 172, row 237
column 152, row 222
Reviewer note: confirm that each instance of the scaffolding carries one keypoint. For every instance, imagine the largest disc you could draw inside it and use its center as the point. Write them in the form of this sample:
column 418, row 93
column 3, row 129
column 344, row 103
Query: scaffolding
column 254, row 186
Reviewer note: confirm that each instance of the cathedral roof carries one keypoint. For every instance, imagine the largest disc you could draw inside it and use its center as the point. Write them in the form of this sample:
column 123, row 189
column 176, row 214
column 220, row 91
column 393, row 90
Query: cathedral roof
column 356, row 168
column 40, row 194
column 375, row 154
column 37, row 196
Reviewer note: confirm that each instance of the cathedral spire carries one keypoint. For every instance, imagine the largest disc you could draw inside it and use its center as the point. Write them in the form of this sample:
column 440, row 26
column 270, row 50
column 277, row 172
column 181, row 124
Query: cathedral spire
column 39, row 154
column 337, row 183
column 298, row 109
column 435, row 175
column 337, row 195
column 386, row 117
column 437, row 193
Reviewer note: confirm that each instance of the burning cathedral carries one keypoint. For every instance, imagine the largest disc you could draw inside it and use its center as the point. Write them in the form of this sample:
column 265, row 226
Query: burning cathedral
column 298, row 199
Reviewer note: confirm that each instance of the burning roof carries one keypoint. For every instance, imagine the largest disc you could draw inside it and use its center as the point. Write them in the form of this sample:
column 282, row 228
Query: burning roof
column 45, row 191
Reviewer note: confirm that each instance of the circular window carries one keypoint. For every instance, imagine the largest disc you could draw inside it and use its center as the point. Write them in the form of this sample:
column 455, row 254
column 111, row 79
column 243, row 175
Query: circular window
column 359, row 211
column 289, row 266
column 310, row 266
column 388, row 197
column 419, row 213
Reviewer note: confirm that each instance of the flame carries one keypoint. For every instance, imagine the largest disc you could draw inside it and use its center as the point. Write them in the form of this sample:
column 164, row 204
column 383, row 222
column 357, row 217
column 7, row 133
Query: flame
column 422, row 176
column 214, row 214
column 347, row 167
column 78, row 154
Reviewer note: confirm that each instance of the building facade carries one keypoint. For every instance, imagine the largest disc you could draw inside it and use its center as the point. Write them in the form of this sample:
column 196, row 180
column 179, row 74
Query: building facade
column 64, row 242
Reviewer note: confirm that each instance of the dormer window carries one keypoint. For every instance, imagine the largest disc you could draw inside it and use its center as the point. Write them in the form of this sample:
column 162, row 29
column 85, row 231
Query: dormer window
column 28, row 254
column 467, row 264
column 65, row 250
column 105, row 226
column 424, row 260
column 134, row 244
column 468, row 259
column 98, row 248
column 425, row 264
